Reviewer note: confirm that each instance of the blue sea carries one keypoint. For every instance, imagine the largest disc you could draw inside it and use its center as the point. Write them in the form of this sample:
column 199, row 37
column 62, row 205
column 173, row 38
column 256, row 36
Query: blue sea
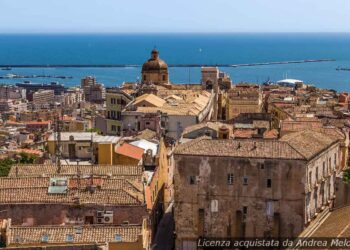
column 134, row 49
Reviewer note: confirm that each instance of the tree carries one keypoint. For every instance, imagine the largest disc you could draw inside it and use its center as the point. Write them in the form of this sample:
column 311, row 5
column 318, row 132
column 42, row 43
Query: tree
column 5, row 166
column 346, row 176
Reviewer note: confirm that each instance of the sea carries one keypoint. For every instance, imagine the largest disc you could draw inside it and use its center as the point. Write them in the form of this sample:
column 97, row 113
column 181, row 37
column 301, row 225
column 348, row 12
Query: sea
column 214, row 48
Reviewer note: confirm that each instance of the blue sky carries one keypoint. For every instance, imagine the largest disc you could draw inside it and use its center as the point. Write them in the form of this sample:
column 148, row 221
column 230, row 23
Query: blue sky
column 85, row 16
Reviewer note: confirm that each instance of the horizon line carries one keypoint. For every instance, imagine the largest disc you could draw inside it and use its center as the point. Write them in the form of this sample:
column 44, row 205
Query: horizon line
column 174, row 33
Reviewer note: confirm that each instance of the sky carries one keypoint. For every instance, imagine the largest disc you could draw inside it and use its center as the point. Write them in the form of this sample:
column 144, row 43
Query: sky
column 173, row 16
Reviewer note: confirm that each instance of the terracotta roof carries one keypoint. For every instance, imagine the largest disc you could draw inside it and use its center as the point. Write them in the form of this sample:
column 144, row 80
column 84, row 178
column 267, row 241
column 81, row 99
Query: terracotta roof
column 244, row 133
column 146, row 134
column 309, row 143
column 20, row 235
column 38, row 123
column 271, row 134
column 36, row 190
column 28, row 151
column 131, row 151
column 243, row 148
column 41, row 195
column 211, row 125
column 69, row 170
column 191, row 103
column 300, row 145
column 150, row 98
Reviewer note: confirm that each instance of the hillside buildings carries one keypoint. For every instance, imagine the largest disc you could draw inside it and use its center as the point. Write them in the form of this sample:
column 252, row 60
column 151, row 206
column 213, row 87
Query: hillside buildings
column 93, row 92
column 43, row 99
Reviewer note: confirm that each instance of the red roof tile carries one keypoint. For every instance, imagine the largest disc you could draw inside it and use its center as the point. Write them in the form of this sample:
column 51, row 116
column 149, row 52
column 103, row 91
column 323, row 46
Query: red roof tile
column 130, row 151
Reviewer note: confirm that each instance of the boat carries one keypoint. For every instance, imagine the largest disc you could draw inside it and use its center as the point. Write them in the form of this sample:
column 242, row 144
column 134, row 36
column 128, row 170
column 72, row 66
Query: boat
column 7, row 68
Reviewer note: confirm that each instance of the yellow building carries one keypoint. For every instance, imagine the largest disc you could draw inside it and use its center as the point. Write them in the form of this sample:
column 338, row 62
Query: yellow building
column 116, row 100
column 77, row 145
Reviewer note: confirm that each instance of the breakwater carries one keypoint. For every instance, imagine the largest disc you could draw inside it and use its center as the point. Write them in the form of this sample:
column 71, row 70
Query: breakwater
column 9, row 66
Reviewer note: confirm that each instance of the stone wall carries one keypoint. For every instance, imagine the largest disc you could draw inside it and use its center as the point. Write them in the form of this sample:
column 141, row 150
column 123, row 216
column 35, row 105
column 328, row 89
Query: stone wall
column 56, row 214
column 247, row 208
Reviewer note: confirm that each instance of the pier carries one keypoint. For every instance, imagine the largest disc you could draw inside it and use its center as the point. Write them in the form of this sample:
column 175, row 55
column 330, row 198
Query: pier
column 7, row 66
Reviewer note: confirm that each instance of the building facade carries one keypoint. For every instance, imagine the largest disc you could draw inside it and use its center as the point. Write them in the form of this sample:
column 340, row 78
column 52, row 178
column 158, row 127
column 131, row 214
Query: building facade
column 252, row 188
column 116, row 100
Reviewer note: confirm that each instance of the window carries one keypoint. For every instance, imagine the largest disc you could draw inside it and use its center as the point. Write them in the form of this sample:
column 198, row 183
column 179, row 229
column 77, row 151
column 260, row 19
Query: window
column 214, row 206
column 310, row 177
column 230, row 179
column 335, row 160
column 69, row 237
column 144, row 77
column 112, row 100
column 119, row 115
column 269, row 183
column 245, row 210
column 113, row 128
column 192, row 180
column 316, row 173
column 245, row 181
column 164, row 77
column 324, row 170
column 117, row 237
column 262, row 166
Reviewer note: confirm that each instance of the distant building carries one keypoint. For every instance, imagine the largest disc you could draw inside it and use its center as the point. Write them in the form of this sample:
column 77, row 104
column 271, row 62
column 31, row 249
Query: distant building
column 211, row 76
column 116, row 100
column 93, row 92
column 12, row 92
column 43, row 99
column 169, row 115
column 34, row 87
column 16, row 106
column 252, row 188
column 73, row 96
column 155, row 70
column 243, row 98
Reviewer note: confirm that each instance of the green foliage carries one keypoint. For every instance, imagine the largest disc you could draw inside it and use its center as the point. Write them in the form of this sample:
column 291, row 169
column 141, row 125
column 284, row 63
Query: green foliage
column 96, row 130
column 5, row 166
column 346, row 177
column 26, row 159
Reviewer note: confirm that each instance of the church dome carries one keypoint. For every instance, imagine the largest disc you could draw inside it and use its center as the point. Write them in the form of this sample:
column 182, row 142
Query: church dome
column 154, row 63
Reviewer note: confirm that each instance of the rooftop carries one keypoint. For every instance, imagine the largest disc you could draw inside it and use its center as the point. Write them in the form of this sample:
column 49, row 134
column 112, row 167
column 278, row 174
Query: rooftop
column 71, row 170
column 20, row 235
column 299, row 146
column 129, row 150
column 84, row 136
column 191, row 102
column 96, row 190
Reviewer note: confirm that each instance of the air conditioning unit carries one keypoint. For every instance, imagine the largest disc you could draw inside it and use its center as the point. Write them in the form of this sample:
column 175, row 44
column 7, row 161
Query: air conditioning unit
column 108, row 219
column 100, row 220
